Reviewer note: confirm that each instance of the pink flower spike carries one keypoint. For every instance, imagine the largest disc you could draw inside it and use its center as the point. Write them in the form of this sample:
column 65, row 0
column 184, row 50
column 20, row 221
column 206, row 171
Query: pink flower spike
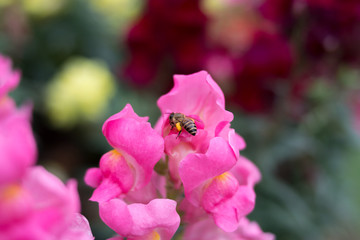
column 157, row 219
column 9, row 79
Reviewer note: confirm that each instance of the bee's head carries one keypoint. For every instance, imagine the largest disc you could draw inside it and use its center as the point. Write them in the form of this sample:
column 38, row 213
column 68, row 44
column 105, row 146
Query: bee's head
column 171, row 116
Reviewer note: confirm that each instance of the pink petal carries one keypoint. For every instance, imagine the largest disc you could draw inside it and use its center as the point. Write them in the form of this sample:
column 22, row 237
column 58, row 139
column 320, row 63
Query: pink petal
column 246, row 172
column 7, row 106
column 236, row 142
column 191, row 213
column 47, row 188
column 195, row 169
column 220, row 189
column 79, row 229
column 136, row 220
column 113, row 165
column 252, row 231
column 205, row 230
column 107, row 190
column 116, row 215
column 127, row 112
column 154, row 189
column 43, row 207
column 15, row 203
column 93, row 177
column 228, row 214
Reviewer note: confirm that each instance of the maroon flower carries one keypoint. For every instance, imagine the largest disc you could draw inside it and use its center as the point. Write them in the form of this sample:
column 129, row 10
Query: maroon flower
column 168, row 38
column 268, row 61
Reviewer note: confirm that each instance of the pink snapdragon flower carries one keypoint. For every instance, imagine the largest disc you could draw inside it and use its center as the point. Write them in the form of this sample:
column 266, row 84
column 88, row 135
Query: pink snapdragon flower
column 206, row 230
column 156, row 220
column 202, row 162
column 137, row 148
column 39, row 207
column 17, row 144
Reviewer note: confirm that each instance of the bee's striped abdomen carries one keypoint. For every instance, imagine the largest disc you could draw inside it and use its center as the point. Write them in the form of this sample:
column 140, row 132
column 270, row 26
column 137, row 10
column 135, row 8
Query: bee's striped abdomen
column 190, row 126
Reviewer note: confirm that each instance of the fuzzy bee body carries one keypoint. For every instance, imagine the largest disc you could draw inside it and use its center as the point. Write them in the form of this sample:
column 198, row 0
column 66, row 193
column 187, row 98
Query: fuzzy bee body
column 180, row 121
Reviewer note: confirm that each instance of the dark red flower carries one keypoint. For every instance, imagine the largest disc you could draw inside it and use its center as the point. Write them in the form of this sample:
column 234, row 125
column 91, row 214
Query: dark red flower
column 260, row 70
column 169, row 37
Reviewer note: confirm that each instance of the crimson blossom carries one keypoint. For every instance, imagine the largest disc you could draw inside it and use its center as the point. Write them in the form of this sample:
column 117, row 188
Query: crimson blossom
column 204, row 174
column 169, row 33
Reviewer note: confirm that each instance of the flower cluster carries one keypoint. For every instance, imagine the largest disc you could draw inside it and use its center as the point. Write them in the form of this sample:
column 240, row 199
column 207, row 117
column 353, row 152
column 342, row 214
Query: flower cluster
column 242, row 50
column 34, row 204
column 258, row 51
column 153, row 175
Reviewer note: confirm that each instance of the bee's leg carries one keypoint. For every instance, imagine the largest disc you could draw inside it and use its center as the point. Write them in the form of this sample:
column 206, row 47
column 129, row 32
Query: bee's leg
column 178, row 134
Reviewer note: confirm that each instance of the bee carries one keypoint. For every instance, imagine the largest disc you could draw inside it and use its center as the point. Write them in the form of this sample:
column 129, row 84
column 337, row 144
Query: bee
column 180, row 121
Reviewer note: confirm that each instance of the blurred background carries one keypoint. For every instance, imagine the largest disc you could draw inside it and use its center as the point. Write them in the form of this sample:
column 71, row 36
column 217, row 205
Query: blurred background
column 289, row 70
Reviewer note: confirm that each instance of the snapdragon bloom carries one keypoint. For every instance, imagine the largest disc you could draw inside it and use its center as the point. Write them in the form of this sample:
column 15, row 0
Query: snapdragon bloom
column 129, row 166
column 204, row 172
column 202, row 163
column 40, row 206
